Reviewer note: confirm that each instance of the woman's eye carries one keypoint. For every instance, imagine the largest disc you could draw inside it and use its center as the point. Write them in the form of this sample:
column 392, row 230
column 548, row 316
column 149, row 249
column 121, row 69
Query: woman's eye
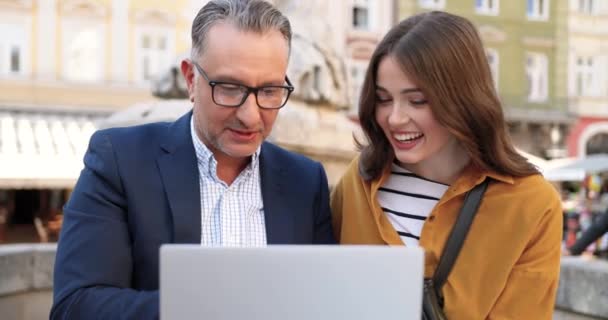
column 383, row 100
column 418, row 102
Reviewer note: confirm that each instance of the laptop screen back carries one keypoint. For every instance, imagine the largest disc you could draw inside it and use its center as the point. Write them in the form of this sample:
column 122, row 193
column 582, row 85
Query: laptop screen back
column 291, row 282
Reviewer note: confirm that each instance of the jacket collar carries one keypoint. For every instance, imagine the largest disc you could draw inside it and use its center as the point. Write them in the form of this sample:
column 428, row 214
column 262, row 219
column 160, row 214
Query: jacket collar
column 469, row 178
column 179, row 172
column 278, row 218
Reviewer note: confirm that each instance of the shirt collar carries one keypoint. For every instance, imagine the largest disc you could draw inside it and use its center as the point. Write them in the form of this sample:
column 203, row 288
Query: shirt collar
column 206, row 160
column 471, row 176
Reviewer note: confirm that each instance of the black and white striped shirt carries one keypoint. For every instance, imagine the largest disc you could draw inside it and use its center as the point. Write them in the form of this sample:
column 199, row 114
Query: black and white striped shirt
column 407, row 200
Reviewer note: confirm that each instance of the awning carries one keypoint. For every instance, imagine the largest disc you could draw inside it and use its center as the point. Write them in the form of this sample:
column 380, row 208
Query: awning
column 42, row 149
column 553, row 170
column 578, row 168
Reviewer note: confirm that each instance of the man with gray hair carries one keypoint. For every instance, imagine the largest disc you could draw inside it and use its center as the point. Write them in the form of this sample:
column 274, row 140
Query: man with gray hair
column 206, row 178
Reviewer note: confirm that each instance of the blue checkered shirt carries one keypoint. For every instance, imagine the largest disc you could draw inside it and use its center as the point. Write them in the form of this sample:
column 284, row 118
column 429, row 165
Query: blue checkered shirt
column 231, row 216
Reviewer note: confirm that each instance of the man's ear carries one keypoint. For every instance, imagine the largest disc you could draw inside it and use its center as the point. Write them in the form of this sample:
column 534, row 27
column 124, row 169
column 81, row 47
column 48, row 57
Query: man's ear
column 188, row 72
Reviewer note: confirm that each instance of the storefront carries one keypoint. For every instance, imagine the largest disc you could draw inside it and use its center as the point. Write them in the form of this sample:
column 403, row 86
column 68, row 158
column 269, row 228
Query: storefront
column 40, row 159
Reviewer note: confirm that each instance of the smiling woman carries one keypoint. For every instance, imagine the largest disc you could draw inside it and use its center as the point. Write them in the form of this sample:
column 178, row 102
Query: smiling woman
column 420, row 143
column 435, row 131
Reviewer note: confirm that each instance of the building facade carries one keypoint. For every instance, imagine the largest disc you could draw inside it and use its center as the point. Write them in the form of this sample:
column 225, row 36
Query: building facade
column 65, row 65
column 366, row 23
column 588, row 76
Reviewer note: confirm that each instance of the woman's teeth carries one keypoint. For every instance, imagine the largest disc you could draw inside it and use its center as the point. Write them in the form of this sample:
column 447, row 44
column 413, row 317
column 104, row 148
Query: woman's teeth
column 404, row 137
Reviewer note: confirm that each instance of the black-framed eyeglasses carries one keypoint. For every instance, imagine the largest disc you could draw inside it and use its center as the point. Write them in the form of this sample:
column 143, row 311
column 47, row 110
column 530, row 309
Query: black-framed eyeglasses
column 233, row 95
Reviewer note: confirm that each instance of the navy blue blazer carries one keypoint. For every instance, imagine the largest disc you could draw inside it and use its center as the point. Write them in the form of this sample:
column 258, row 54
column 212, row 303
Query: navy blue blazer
column 140, row 189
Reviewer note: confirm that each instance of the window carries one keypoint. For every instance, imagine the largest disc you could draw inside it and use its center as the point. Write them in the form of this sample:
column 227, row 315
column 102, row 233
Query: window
column 537, row 9
column 587, row 6
column 357, row 75
column 83, row 51
column 153, row 53
column 492, row 55
column 13, row 49
column 361, row 14
column 11, row 57
column 537, row 75
column 15, row 59
column 586, row 76
column 489, row 7
column 432, row 4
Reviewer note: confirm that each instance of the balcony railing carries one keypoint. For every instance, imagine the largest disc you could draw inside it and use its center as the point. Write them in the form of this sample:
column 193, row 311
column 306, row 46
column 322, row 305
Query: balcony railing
column 553, row 110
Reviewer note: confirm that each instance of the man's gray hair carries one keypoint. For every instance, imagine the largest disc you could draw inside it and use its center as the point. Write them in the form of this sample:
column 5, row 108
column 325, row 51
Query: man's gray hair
column 247, row 15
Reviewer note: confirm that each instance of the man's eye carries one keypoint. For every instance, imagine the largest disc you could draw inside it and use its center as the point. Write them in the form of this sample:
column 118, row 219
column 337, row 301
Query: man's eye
column 227, row 86
column 229, row 89
column 270, row 91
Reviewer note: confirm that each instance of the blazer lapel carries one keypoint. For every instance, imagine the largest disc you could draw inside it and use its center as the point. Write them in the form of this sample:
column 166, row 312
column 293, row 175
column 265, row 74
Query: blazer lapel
column 179, row 172
column 277, row 215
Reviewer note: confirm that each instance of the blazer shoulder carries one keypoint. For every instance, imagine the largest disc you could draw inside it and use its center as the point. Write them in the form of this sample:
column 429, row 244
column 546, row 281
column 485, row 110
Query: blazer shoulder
column 131, row 138
column 147, row 130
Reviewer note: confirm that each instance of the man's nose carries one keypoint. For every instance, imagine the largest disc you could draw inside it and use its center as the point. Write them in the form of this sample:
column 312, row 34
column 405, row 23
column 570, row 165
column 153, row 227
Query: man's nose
column 249, row 112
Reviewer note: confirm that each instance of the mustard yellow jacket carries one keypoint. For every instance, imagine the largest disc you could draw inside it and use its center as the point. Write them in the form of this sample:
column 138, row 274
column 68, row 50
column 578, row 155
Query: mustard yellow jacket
column 509, row 265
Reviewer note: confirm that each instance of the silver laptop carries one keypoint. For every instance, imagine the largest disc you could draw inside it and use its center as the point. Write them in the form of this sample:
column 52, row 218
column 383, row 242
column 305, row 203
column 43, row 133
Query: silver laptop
column 291, row 282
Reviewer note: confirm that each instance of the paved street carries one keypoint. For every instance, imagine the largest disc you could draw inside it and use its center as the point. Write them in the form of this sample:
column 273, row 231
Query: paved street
column 563, row 315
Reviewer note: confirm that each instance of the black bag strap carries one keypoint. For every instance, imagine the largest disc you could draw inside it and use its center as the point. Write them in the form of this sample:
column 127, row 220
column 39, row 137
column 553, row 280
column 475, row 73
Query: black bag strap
column 458, row 234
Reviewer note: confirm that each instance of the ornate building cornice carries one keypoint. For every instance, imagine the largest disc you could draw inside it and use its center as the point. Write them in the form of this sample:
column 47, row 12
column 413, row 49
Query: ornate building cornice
column 16, row 5
column 492, row 34
column 538, row 42
column 154, row 17
column 83, row 9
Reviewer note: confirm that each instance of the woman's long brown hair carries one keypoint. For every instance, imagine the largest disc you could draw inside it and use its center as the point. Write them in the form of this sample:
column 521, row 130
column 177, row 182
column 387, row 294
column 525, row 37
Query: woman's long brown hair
column 444, row 54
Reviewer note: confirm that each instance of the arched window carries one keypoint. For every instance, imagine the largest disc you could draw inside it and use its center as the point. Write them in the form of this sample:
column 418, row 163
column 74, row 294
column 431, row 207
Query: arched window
column 83, row 53
column 598, row 143
column 154, row 44
column 83, row 30
column 15, row 28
